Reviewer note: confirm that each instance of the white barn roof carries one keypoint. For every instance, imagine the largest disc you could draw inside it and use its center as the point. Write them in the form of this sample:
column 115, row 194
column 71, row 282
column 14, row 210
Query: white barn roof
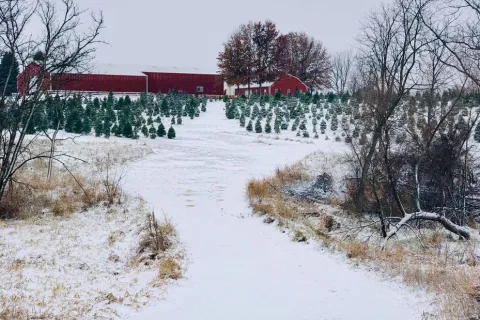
column 138, row 70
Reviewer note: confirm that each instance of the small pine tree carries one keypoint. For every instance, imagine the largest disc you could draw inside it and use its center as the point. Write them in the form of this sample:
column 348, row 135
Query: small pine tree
column 242, row 120
column 116, row 131
column 87, row 125
column 161, row 130
column 258, row 126
column 276, row 126
column 98, row 128
column 268, row 128
column 171, row 133
column 230, row 112
column 106, row 129
column 128, row 130
column 173, row 120
column 152, row 132
column 145, row 131
column 250, row 126
column 204, row 107
column 179, row 119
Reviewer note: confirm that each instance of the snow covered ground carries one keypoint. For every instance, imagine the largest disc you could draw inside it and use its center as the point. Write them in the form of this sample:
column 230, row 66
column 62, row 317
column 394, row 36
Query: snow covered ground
column 239, row 267
column 81, row 264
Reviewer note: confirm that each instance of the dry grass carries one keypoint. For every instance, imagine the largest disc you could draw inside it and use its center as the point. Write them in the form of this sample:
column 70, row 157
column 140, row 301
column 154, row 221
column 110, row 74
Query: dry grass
column 357, row 250
column 451, row 275
column 170, row 269
column 156, row 240
column 265, row 196
column 61, row 194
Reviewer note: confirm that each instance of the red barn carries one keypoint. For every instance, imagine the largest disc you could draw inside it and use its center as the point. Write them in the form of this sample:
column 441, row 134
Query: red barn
column 286, row 84
column 102, row 78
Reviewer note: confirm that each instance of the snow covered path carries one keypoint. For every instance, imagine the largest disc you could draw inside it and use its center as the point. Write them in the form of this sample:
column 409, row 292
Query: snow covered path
column 239, row 267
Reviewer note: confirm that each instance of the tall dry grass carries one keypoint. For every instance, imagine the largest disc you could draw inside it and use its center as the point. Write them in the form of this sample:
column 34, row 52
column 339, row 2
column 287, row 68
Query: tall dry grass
column 65, row 192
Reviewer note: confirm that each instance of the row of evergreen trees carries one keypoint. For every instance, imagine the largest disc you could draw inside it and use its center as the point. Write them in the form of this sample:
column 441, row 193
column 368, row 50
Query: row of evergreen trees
column 121, row 117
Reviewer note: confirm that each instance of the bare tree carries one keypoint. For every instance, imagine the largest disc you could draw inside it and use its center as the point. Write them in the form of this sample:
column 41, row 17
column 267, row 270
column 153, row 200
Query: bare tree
column 305, row 58
column 264, row 39
column 342, row 65
column 390, row 45
column 64, row 48
column 456, row 24
column 231, row 60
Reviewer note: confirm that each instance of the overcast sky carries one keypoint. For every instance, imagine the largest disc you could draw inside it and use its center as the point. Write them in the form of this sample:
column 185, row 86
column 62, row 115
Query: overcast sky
column 191, row 32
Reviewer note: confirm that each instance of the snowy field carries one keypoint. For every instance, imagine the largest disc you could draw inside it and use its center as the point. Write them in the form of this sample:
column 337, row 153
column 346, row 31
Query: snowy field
column 239, row 267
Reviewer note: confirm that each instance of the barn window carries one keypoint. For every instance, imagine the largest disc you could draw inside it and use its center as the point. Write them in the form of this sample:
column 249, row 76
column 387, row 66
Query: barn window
column 199, row 89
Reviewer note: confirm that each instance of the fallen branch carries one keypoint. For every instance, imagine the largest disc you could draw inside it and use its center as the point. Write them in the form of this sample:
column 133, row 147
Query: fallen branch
column 463, row 232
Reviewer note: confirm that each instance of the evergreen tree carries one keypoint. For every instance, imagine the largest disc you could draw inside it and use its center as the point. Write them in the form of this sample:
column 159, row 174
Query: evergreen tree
column 127, row 130
column 110, row 100
column 116, row 130
column 164, row 109
column 98, row 128
column 161, row 130
column 242, row 120
column 323, row 126
column 106, row 129
column 171, row 133
column 8, row 73
column 204, row 107
column 250, row 126
column 258, row 126
column 87, row 125
column 268, row 128
column 152, row 132
column 173, row 120
column 302, row 126
column 276, row 126
column 145, row 131
column 179, row 119
column 149, row 121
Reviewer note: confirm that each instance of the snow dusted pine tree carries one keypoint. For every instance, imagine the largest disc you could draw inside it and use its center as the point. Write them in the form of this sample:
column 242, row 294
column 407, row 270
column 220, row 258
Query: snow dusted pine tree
column 152, row 132
column 161, row 132
column 258, row 126
column 250, row 126
column 171, row 133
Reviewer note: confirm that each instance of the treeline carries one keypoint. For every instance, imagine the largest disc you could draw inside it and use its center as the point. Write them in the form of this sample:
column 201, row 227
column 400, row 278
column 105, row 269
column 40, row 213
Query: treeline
column 257, row 53
column 121, row 117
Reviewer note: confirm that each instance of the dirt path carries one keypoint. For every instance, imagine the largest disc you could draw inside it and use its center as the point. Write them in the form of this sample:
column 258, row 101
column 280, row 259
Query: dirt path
column 240, row 268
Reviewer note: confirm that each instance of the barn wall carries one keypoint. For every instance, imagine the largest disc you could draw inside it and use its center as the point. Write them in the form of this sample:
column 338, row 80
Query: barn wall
column 99, row 83
column 164, row 82
column 24, row 78
column 253, row 90
column 289, row 82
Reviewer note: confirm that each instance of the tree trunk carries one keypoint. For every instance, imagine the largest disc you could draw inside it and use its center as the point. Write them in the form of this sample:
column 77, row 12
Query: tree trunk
column 366, row 168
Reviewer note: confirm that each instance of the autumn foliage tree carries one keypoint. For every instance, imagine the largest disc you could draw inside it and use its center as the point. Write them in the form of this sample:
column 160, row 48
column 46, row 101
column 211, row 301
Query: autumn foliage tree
column 257, row 52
